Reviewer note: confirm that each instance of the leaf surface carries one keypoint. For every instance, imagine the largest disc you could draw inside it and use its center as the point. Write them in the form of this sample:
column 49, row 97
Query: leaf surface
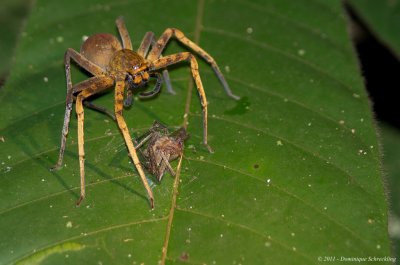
column 296, row 170
column 12, row 14
column 381, row 17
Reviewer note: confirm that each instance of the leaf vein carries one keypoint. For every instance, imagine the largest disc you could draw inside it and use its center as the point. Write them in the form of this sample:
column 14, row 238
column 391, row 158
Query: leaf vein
column 301, row 105
column 269, row 47
column 299, row 147
column 294, row 196
column 248, row 229
column 94, row 232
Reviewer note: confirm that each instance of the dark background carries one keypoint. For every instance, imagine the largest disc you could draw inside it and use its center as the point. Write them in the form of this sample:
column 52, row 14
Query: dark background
column 381, row 70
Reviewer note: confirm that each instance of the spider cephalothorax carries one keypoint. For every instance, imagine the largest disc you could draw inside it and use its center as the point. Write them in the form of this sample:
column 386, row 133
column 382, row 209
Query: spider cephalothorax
column 130, row 66
column 127, row 62
column 106, row 51
column 114, row 64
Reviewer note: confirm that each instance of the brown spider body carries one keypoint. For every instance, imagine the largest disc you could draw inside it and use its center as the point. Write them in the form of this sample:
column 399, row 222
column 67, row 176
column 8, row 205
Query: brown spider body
column 113, row 63
column 162, row 149
column 127, row 62
column 100, row 49
column 106, row 51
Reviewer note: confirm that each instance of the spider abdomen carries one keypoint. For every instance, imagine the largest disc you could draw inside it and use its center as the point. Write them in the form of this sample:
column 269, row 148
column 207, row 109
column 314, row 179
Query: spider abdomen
column 100, row 48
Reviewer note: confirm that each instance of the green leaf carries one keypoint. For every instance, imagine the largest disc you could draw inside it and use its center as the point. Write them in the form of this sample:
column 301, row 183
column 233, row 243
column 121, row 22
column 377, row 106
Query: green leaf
column 296, row 171
column 12, row 13
column 381, row 18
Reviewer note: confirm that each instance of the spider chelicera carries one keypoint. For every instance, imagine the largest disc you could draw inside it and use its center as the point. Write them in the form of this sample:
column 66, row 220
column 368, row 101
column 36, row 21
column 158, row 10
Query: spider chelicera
column 114, row 64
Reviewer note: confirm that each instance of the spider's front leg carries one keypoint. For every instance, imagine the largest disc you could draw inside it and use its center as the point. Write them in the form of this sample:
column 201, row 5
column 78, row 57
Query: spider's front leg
column 148, row 41
column 186, row 56
column 159, row 46
column 119, row 99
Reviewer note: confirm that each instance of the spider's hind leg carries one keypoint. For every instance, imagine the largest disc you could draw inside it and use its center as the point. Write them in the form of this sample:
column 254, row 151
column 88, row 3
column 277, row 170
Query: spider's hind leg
column 123, row 32
column 92, row 68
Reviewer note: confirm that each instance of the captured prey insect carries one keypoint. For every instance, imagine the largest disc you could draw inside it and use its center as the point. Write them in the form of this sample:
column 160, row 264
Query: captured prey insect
column 160, row 147
column 116, row 64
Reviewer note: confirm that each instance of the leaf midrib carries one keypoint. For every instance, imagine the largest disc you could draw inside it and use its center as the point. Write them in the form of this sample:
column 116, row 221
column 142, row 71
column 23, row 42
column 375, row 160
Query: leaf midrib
column 164, row 250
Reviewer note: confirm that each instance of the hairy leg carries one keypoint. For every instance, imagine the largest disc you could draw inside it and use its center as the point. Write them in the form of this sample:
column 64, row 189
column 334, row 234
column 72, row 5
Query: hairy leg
column 144, row 140
column 90, row 67
column 119, row 97
column 123, row 32
column 157, row 49
column 167, row 164
column 186, row 56
column 149, row 40
column 106, row 81
column 93, row 88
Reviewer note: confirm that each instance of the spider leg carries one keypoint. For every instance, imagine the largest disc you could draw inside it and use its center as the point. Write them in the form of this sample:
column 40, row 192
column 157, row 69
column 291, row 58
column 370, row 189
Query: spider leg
column 123, row 32
column 161, row 170
column 119, row 98
column 128, row 99
column 167, row 81
column 177, row 34
column 158, row 126
column 149, row 40
column 168, row 165
column 144, row 140
column 187, row 56
column 84, row 84
column 94, row 86
column 101, row 109
column 144, row 47
column 90, row 67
